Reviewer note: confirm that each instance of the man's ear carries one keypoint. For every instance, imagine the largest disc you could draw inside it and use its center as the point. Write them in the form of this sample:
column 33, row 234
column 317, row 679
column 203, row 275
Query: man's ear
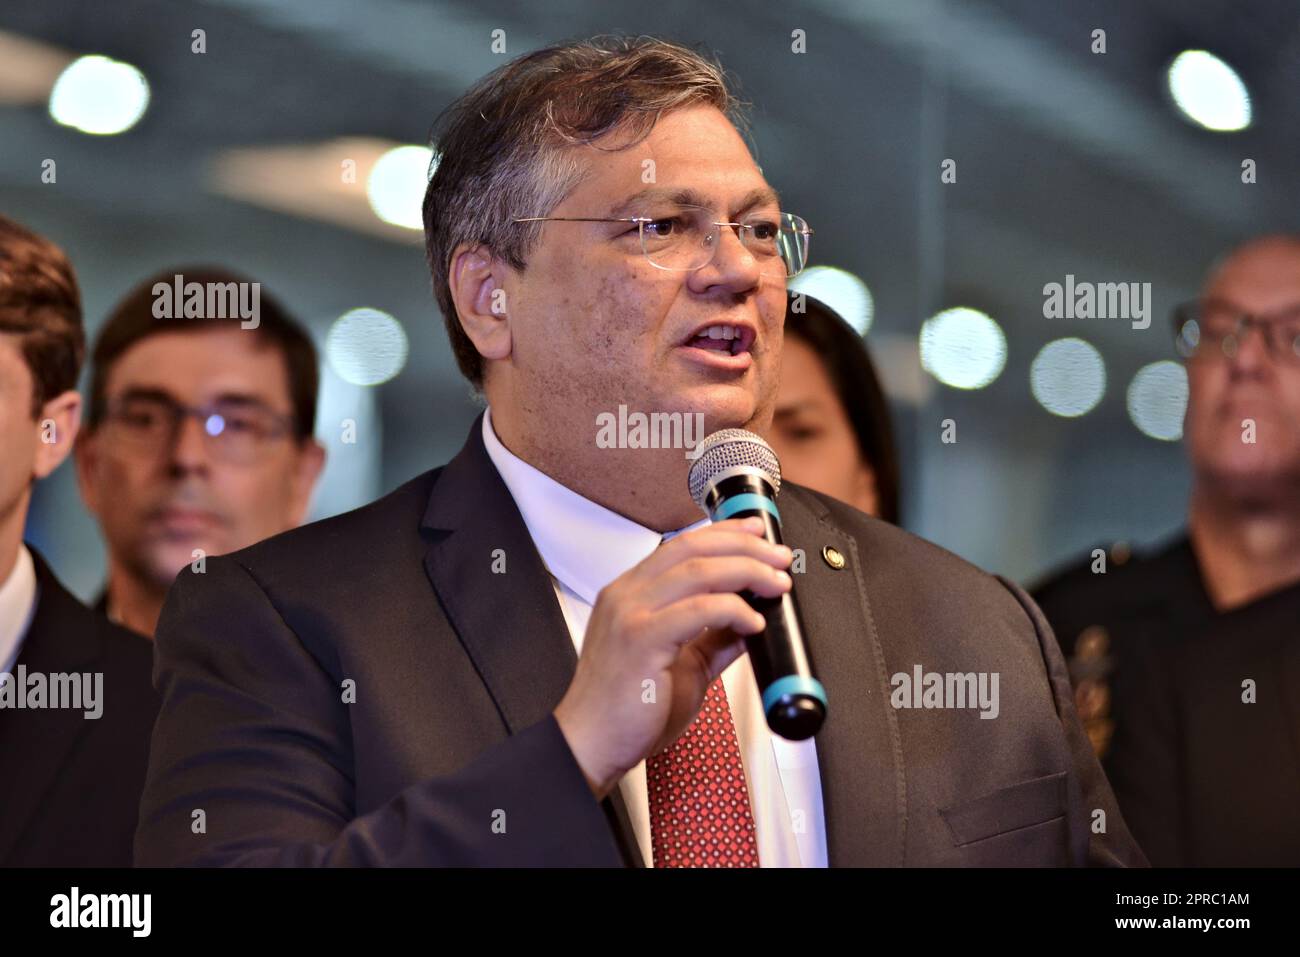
column 306, row 470
column 477, row 281
column 58, row 423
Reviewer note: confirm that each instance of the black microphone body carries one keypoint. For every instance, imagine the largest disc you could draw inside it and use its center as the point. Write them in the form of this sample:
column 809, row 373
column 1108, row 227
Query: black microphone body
column 794, row 702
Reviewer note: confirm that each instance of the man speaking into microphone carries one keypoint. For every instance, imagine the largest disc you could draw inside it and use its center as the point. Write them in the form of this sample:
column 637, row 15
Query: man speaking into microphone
column 535, row 655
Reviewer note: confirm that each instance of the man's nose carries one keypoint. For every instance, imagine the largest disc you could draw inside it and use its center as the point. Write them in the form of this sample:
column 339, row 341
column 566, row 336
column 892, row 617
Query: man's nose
column 733, row 265
column 188, row 448
column 1251, row 350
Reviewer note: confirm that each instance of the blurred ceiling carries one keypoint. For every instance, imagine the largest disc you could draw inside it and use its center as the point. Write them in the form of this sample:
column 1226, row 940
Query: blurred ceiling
column 1067, row 162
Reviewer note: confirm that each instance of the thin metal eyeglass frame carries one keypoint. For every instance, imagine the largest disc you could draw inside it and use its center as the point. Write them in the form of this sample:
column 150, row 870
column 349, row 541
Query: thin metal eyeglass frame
column 642, row 221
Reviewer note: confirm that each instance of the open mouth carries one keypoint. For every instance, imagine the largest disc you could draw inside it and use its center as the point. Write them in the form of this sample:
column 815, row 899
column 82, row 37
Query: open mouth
column 727, row 339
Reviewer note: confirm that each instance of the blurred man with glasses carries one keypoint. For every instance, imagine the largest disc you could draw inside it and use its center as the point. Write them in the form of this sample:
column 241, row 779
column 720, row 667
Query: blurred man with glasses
column 533, row 655
column 1187, row 661
column 198, row 440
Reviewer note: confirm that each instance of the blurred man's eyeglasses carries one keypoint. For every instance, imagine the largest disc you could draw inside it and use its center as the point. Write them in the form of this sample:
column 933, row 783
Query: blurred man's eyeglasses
column 685, row 238
column 237, row 431
column 1211, row 328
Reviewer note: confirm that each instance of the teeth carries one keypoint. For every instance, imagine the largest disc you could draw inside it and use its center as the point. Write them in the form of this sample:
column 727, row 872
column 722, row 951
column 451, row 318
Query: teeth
column 722, row 332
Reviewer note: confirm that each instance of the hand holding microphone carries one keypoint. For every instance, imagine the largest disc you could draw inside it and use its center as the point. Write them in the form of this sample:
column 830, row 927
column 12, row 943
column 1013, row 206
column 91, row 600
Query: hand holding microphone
column 736, row 475
column 658, row 637
column 680, row 617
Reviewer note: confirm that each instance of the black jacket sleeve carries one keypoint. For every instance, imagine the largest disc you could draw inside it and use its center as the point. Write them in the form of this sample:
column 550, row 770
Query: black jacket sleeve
column 1114, row 846
column 251, row 760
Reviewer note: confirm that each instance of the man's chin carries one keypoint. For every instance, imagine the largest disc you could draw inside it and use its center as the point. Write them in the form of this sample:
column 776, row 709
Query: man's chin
column 165, row 560
column 723, row 406
column 1252, row 472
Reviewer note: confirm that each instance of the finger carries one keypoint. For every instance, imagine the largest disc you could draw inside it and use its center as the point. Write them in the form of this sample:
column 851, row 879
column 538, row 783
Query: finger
column 682, row 621
column 732, row 537
column 730, row 573
column 716, row 649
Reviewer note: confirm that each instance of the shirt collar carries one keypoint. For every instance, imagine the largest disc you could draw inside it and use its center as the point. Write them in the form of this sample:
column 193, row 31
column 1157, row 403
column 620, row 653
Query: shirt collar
column 17, row 603
column 584, row 545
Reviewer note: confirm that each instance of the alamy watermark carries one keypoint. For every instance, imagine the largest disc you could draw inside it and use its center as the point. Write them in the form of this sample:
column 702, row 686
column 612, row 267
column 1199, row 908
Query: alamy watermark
column 212, row 300
column 1098, row 300
column 650, row 430
column 23, row 690
column 130, row 911
column 946, row 689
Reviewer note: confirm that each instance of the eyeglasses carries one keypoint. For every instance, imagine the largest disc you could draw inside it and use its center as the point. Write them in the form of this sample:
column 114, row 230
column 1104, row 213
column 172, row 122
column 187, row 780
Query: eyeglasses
column 236, row 431
column 685, row 238
column 1213, row 327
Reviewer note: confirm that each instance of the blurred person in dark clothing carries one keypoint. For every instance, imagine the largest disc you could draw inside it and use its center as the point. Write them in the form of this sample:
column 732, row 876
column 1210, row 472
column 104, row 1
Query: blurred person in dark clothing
column 1187, row 661
column 832, row 430
column 199, row 437
column 76, row 703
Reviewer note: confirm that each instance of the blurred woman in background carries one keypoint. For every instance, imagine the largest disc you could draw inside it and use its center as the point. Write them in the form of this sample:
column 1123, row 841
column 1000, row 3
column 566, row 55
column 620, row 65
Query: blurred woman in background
column 832, row 430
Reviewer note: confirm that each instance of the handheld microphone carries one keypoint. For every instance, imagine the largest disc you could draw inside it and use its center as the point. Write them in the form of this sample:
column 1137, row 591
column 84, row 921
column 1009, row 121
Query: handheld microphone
column 736, row 475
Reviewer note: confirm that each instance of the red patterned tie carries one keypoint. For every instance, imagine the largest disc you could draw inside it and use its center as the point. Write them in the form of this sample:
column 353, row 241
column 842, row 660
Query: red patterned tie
column 699, row 804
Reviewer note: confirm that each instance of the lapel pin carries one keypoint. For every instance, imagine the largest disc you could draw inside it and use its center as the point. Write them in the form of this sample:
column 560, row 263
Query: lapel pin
column 834, row 557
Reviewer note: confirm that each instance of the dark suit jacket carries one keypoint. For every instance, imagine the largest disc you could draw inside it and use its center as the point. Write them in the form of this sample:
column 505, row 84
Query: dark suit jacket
column 456, row 671
column 70, row 788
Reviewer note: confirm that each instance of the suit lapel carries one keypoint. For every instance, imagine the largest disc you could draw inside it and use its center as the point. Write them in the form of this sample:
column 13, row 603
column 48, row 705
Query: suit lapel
column 513, row 630
column 62, row 638
column 859, row 751
column 509, row 622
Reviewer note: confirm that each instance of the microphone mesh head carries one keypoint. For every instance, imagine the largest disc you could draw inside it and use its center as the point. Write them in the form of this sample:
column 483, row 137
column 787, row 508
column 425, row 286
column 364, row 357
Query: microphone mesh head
column 728, row 449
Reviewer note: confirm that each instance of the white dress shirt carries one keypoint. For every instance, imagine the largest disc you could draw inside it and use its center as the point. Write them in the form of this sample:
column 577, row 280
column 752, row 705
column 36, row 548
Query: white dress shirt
column 17, row 603
column 585, row 547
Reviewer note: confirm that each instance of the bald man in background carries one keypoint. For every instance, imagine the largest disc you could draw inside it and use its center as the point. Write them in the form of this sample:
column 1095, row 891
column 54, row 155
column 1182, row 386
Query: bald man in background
column 1186, row 661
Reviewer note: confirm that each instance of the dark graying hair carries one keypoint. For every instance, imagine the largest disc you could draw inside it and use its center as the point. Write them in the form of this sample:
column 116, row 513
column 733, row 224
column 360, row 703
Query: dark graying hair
column 506, row 148
column 132, row 320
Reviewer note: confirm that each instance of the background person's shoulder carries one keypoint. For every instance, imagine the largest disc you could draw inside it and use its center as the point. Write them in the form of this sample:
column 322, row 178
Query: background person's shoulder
column 1085, row 572
column 83, row 632
column 128, row 654
column 898, row 559
column 1111, row 583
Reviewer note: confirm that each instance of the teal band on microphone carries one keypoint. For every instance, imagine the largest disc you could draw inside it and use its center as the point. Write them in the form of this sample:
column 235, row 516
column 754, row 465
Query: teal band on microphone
column 793, row 684
column 742, row 503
